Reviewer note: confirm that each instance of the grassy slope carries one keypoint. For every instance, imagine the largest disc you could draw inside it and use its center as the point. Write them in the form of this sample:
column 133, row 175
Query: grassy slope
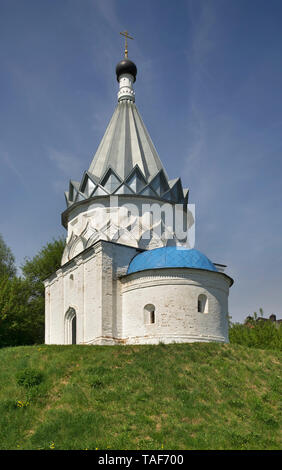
column 189, row 396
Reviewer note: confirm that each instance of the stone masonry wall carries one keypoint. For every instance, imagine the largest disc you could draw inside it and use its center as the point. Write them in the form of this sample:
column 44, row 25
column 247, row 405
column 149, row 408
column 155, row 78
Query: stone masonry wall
column 174, row 293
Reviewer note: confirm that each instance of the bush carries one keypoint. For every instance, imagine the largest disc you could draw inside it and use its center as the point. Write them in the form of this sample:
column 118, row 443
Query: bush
column 96, row 382
column 257, row 334
column 29, row 378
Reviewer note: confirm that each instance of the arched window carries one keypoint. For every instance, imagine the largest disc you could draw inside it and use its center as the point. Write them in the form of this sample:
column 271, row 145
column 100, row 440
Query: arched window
column 152, row 316
column 70, row 326
column 149, row 314
column 202, row 303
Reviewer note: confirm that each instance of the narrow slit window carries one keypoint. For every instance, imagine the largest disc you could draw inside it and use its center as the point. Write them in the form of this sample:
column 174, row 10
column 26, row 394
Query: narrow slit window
column 152, row 316
column 149, row 314
column 202, row 304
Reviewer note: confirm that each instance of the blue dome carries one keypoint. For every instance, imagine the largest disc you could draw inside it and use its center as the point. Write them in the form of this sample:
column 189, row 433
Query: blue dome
column 170, row 257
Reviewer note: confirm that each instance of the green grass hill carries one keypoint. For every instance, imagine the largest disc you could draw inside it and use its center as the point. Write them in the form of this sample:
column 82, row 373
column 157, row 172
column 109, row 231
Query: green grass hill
column 178, row 396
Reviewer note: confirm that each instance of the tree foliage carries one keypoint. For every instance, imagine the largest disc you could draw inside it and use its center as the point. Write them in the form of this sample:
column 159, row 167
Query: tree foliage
column 22, row 303
column 47, row 261
column 7, row 260
column 257, row 334
column 18, row 324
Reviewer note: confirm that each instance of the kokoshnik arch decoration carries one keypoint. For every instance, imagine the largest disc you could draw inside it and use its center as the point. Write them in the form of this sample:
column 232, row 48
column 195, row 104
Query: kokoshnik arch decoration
column 127, row 165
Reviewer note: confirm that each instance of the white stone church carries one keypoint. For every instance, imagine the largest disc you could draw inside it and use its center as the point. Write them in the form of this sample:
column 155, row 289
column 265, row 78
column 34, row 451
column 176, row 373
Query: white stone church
column 127, row 275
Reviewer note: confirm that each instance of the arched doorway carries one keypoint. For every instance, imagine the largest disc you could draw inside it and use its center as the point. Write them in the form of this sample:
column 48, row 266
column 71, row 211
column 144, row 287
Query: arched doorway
column 70, row 326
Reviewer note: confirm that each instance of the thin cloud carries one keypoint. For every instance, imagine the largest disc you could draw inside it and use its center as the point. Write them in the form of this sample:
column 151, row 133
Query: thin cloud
column 8, row 161
column 107, row 10
column 67, row 163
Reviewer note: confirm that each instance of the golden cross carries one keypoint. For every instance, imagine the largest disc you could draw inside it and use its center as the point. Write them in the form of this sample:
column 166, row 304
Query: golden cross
column 126, row 35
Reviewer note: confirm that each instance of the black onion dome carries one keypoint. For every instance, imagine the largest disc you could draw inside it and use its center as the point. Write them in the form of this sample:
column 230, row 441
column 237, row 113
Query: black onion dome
column 126, row 66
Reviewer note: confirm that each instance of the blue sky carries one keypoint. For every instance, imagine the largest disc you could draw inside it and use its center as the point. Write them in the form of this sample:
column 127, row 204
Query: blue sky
column 209, row 91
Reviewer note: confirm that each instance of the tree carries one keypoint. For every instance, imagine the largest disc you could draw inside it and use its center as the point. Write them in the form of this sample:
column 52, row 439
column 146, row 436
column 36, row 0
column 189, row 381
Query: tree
column 35, row 271
column 22, row 302
column 18, row 321
column 46, row 262
column 7, row 260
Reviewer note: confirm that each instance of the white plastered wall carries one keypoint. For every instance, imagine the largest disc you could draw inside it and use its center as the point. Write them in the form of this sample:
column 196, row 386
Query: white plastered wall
column 89, row 285
column 109, row 304
column 174, row 293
